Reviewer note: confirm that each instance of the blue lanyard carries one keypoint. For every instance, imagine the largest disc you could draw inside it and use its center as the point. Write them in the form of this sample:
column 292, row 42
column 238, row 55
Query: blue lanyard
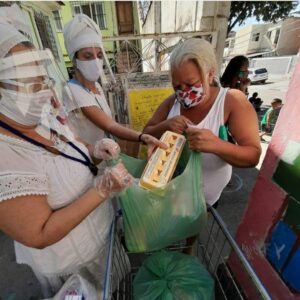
column 87, row 162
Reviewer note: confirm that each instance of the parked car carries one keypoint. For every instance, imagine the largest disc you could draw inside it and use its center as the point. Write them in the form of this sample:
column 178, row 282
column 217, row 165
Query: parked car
column 258, row 75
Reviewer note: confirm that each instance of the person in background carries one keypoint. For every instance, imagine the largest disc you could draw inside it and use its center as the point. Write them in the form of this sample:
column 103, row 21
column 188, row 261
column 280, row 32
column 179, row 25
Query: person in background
column 52, row 202
column 235, row 76
column 270, row 117
column 256, row 101
column 84, row 97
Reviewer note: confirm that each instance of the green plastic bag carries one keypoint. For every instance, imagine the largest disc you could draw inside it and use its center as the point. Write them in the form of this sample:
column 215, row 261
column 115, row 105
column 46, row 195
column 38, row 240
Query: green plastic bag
column 173, row 276
column 154, row 219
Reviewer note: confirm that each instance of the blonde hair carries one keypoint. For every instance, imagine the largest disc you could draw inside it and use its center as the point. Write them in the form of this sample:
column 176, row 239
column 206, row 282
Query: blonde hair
column 200, row 52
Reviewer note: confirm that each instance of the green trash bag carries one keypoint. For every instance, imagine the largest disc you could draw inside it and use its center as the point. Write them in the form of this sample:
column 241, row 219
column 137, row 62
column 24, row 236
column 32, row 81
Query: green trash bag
column 154, row 219
column 172, row 276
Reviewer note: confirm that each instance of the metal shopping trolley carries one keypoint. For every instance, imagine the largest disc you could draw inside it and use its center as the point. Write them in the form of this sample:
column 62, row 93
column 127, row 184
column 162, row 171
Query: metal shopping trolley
column 215, row 249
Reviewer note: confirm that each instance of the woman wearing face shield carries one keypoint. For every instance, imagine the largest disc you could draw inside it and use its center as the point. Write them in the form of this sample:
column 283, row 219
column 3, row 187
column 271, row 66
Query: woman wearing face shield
column 201, row 109
column 52, row 204
column 84, row 93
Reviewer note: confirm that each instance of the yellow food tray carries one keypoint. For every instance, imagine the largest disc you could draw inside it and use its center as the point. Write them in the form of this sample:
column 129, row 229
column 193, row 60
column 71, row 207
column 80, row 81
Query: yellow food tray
column 162, row 164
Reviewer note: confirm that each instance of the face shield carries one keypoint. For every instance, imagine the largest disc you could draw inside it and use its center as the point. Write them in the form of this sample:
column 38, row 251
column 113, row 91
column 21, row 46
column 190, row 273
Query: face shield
column 30, row 94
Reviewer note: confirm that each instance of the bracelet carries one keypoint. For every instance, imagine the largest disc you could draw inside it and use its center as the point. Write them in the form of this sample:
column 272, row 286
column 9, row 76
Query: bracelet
column 140, row 138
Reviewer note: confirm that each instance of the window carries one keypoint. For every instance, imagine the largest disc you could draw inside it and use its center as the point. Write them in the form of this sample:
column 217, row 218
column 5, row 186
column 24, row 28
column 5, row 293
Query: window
column 269, row 34
column 276, row 36
column 261, row 71
column 144, row 7
column 255, row 37
column 95, row 10
column 46, row 33
column 58, row 20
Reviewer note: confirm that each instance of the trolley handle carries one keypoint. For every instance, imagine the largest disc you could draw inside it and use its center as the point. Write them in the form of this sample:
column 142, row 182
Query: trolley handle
column 257, row 282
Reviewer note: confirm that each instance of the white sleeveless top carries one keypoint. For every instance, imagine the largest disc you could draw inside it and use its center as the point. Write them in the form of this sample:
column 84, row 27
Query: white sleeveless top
column 216, row 172
column 86, row 129
column 26, row 169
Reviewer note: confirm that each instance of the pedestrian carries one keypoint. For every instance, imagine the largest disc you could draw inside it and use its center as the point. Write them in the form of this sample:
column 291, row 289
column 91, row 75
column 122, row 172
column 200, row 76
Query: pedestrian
column 270, row 117
column 256, row 101
column 235, row 75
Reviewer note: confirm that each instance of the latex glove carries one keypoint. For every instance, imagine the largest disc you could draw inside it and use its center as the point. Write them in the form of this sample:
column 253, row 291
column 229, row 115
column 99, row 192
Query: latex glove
column 152, row 143
column 106, row 149
column 114, row 179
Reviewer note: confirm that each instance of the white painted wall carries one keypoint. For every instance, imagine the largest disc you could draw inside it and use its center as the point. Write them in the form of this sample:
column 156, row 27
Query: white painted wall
column 186, row 16
column 289, row 38
column 288, row 41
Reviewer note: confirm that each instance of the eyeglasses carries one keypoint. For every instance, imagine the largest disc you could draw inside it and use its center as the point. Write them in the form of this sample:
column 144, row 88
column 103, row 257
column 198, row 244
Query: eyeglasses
column 32, row 87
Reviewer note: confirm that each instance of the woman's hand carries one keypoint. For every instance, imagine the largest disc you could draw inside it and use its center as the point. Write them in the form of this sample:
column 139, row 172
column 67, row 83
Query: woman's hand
column 114, row 179
column 178, row 124
column 202, row 140
column 106, row 149
column 152, row 143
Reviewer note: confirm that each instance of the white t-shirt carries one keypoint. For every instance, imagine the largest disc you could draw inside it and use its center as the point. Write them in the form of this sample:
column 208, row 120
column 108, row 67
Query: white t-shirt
column 26, row 169
column 216, row 172
column 82, row 97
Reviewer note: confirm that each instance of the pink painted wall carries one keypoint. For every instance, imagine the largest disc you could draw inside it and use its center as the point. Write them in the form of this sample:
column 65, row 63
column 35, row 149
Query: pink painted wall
column 267, row 201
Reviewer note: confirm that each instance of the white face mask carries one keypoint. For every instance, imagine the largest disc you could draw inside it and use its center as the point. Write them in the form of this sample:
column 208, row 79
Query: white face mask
column 90, row 69
column 24, row 108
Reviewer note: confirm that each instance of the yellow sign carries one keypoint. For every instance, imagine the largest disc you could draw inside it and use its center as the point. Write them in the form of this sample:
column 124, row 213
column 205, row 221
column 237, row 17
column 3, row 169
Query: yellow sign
column 142, row 104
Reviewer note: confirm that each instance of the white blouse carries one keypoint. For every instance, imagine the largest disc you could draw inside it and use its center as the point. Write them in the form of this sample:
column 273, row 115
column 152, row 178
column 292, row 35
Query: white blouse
column 215, row 171
column 26, row 169
column 81, row 97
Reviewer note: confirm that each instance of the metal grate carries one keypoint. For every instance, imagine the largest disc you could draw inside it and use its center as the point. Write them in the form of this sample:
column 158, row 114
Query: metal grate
column 216, row 249
column 46, row 34
column 95, row 10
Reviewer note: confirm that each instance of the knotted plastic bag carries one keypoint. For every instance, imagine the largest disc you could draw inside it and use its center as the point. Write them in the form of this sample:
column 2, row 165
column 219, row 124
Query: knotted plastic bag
column 154, row 219
column 173, row 276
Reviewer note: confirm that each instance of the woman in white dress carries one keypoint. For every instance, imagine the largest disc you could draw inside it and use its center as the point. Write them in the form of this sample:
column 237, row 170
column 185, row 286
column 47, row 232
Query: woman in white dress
column 84, row 98
column 52, row 203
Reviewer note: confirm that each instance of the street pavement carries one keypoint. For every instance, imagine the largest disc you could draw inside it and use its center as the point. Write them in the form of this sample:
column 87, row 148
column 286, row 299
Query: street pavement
column 275, row 87
column 17, row 282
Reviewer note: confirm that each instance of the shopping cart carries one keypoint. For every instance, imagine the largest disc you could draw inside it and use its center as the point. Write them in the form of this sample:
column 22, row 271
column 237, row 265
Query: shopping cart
column 215, row 248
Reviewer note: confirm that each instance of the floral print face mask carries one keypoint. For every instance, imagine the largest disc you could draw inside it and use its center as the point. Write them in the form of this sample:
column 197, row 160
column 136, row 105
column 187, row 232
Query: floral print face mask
column 190, row 96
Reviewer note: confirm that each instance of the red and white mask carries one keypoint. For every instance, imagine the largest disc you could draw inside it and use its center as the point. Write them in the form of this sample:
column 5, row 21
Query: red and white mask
column 190, row 96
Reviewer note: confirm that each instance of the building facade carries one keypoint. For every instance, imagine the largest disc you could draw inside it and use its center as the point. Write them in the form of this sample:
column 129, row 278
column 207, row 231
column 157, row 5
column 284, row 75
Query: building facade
column 257, row 40
column 43, row 31
column 176, row 20
column 114, row 18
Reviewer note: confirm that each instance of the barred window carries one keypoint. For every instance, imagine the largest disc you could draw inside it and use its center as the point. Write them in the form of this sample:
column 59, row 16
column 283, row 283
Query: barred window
column 46, row 34
column 255, row 37
column 95, row 10
column 58, row 20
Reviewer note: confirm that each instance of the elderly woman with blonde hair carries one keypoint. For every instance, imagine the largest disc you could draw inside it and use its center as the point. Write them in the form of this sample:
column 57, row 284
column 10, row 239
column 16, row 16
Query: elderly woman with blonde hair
column 201, row 109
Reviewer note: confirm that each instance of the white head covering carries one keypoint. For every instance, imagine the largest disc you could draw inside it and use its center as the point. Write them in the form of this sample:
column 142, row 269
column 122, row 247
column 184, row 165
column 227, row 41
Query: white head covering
column 81, row 32
column 12, row 21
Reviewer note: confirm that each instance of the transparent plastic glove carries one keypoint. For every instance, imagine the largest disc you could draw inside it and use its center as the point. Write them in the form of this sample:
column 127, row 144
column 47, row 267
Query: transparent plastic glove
column 114, row 179
column 106, row 149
